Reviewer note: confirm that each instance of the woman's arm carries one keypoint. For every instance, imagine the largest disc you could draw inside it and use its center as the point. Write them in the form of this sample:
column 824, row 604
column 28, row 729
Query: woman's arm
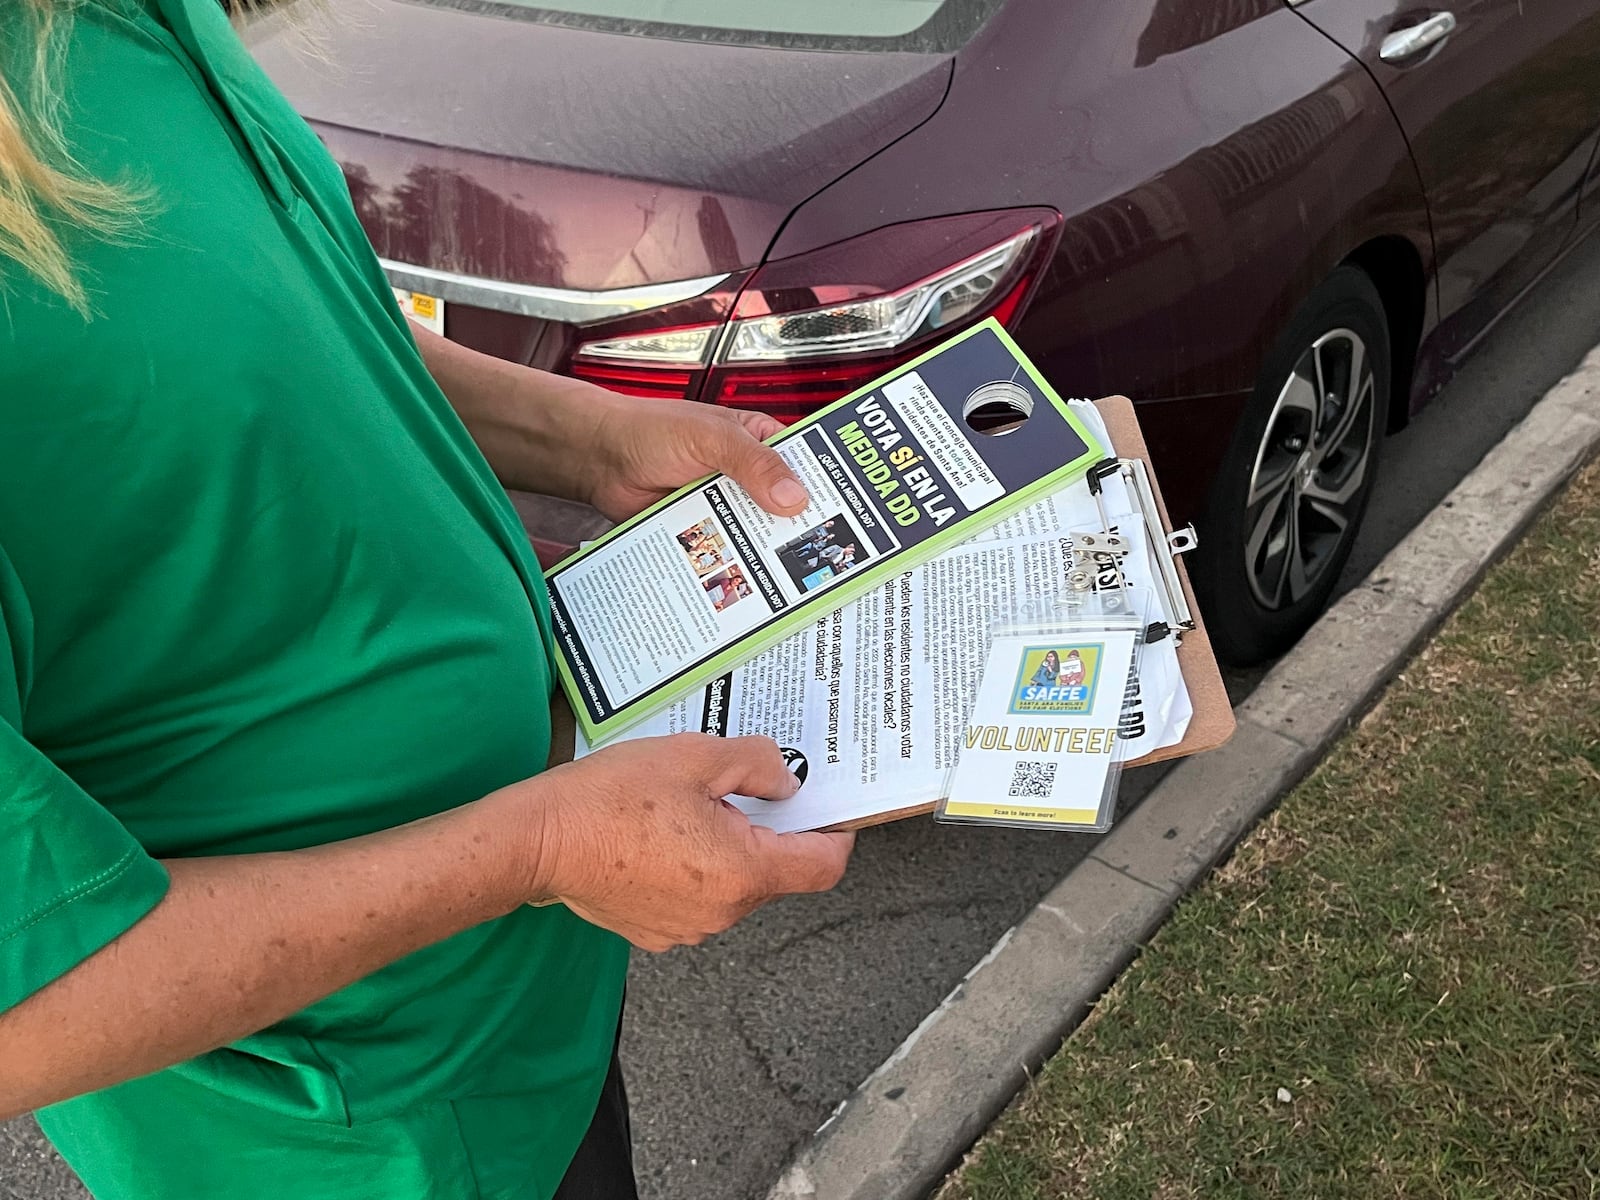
column 240, row 942
column 564, row 437
column 535, row 428
column 635, row 838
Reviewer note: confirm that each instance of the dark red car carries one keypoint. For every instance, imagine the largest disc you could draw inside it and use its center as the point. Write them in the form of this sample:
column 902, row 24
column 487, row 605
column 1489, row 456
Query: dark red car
column 1278, row 227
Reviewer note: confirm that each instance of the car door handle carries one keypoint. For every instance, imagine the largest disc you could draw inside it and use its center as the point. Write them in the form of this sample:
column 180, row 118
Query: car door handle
column 1406, row 43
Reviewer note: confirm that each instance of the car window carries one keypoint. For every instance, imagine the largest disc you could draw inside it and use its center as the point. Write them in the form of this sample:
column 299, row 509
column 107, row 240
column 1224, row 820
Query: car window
column 915, row 25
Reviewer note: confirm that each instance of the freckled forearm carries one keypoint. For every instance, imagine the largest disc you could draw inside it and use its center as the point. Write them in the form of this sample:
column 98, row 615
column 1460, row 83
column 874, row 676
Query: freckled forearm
column 241, row 942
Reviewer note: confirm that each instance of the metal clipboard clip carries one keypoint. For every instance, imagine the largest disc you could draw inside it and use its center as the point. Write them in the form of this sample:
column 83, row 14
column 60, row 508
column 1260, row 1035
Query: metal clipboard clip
column 1163, row 546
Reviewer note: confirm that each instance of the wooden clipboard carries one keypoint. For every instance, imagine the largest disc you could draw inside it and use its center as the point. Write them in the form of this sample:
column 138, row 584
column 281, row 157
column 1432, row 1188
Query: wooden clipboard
column 1212, row 723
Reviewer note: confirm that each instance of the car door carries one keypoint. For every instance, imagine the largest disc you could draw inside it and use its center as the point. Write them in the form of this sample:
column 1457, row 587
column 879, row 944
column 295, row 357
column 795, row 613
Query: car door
column 1497, row 99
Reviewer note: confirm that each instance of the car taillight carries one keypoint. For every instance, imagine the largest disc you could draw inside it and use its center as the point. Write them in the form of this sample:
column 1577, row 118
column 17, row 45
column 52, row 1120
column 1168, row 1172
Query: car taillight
column 661, row 364
column 653, row 383
column 808, row 329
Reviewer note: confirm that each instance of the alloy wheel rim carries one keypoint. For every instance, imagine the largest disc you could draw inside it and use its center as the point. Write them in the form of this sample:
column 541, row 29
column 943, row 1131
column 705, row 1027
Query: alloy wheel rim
column 1309, row 469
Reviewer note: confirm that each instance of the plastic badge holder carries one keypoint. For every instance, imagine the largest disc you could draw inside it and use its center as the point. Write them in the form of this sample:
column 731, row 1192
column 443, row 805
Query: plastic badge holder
column 1037, row 754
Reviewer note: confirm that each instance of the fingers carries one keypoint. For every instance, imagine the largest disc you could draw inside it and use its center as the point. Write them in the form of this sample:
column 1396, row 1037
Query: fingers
column 760, row 425
column 807, row 862
column 791, row 862
column 751, row 766
column 756, row 467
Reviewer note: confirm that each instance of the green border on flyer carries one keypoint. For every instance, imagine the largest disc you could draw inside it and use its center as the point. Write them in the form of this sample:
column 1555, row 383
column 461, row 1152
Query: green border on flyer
column 802, row 613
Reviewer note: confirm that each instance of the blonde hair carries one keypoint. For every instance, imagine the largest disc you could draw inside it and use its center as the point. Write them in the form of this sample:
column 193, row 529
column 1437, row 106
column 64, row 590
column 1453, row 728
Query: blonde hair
column 42, row 189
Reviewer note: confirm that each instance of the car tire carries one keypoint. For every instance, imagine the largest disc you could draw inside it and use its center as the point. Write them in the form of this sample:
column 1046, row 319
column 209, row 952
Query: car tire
column 1285, row 508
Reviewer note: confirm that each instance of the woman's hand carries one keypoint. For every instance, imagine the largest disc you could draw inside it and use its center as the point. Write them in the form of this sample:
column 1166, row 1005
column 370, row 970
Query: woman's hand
column 647, row 449
column 637, row 838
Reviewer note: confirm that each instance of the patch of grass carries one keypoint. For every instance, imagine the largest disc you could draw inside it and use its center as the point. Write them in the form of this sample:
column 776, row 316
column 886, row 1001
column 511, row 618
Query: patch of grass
column 1409, row 947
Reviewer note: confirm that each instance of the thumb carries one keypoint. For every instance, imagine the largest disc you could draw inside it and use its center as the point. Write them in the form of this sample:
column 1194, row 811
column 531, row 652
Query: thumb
column 754, row 766
column 806, row 862
column 757, row 467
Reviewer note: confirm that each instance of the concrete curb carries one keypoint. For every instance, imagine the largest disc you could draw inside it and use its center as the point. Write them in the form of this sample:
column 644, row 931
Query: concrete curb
column 904, row 1128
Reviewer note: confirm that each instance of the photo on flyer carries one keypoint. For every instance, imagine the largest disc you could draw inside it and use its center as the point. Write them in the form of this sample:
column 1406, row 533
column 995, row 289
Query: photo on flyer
column 821, row 554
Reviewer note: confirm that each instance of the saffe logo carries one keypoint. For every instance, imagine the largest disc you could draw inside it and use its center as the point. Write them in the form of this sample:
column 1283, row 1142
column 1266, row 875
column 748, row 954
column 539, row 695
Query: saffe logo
column 1057, row 679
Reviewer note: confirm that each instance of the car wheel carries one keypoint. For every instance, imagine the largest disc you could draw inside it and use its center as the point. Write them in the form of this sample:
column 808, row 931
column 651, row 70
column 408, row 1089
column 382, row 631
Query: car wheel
column 1284, row 511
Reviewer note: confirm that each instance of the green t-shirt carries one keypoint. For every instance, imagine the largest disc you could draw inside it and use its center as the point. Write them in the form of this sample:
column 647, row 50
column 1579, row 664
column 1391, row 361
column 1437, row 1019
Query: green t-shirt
column 260, row 591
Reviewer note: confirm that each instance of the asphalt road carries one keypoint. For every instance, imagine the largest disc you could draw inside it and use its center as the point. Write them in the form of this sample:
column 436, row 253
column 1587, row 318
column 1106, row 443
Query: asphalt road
column 738, row 1049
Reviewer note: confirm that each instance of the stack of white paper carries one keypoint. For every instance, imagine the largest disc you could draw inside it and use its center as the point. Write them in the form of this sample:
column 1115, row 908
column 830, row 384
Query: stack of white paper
column 869, row 702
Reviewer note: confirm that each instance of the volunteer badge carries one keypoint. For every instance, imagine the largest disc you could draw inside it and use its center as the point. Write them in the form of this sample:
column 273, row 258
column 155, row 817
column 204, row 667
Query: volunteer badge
column 1057, row 679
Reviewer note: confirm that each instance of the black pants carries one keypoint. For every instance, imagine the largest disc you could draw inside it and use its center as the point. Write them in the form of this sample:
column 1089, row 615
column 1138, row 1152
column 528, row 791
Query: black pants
column 603, row 1166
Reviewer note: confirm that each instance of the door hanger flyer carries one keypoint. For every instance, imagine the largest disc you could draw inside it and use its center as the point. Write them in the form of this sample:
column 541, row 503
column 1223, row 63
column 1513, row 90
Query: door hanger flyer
column 704, row 580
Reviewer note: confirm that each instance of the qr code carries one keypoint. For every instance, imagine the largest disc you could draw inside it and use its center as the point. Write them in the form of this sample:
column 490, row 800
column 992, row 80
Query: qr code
column 1033, row 780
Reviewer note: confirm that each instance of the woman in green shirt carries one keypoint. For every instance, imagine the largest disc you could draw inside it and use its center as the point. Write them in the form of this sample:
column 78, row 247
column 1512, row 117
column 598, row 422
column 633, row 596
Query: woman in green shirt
column 291, row 907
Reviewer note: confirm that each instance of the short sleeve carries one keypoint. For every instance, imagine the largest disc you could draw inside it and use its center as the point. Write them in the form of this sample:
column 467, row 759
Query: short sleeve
column 72, row 878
